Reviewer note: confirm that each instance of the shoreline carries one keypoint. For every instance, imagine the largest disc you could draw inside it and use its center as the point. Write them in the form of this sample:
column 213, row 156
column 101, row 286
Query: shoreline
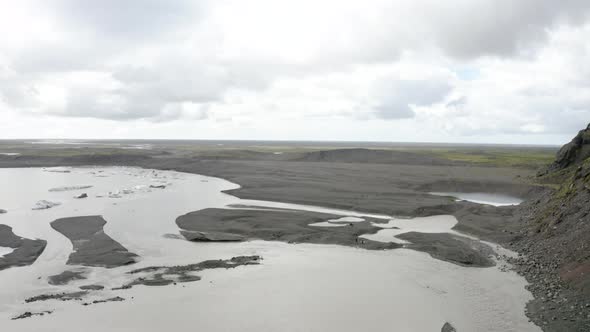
column 424, row 205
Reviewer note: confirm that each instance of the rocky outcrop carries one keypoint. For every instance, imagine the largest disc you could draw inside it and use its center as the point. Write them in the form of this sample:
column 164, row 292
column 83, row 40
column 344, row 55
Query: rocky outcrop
column 555, row 241
column 448, row 328
column 574, row 152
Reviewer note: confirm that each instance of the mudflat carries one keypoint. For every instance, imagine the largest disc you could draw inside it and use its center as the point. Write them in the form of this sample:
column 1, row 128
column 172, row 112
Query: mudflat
column 92, row 247
column 297, row 227
column 389, row 180
column 279, row 225
column 452, row 248
column 66, row 277
column 26, row 251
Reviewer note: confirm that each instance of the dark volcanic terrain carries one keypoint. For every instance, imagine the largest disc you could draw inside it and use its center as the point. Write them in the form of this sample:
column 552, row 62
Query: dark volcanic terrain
column 279, row 225
column 25, row 251
column 92, row 247
column 215, row 225
column 555, row 240
column 549, row 230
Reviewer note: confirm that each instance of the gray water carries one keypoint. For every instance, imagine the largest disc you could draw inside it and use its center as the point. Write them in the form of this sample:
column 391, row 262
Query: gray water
column 483, row 198
column 299, row 287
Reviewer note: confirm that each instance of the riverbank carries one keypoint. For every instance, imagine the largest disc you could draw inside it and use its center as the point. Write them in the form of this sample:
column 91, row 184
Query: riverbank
column 166, row 260
column 384, row 187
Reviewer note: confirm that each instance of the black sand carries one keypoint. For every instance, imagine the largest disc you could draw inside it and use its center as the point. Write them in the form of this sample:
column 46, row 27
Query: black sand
column 293, row 227
column 26, row 251
column 30, row 314
column 280, row 225
column 111, row 299
column 73, row 296
column 390, row 189
column 166, row 275
column 92, row 287
column 385, row 183
column 148, row 276
column 452, row 248
column 195, row 236
column 66, row 277
column 92, row 247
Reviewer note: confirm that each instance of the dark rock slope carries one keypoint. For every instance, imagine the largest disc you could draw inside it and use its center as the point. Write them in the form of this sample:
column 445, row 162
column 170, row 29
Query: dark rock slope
column 556, row 241
column 575, row 152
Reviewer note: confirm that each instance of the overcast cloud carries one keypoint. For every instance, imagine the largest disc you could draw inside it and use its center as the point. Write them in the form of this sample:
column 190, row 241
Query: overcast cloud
column 458, row 70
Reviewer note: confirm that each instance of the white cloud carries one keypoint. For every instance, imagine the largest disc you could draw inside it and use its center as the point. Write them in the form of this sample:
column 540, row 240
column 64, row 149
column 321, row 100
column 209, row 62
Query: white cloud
column 459, row 69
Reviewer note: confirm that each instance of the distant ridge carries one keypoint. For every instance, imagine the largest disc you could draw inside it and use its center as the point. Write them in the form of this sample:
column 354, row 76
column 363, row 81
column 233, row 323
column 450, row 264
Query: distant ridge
column 362, row 155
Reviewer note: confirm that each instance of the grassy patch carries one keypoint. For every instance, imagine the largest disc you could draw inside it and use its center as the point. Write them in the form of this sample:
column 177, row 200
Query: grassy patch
column 528, row 158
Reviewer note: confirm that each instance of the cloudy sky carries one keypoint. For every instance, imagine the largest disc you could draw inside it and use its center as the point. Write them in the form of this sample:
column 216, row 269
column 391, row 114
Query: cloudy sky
column 495, row 71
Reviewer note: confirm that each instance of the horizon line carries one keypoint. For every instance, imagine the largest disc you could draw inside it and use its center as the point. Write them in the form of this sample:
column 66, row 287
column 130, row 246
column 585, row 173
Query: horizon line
column 275, row 140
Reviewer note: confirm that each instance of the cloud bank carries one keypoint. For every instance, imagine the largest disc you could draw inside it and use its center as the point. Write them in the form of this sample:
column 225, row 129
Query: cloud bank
column 459, row 70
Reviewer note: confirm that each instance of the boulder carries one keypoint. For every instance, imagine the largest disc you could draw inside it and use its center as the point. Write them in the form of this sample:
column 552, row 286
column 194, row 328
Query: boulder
column 448, row 328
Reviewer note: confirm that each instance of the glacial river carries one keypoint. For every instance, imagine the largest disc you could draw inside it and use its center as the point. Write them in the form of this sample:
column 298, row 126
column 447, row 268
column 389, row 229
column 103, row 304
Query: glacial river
column 298, row 287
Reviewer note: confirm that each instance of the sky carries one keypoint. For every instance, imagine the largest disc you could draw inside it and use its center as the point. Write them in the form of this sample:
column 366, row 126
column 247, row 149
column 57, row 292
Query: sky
column 466, row 71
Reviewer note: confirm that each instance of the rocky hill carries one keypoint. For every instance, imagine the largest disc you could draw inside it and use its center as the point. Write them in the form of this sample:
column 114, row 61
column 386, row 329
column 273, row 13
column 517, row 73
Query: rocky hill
column 556, row 240
column 574, row 153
